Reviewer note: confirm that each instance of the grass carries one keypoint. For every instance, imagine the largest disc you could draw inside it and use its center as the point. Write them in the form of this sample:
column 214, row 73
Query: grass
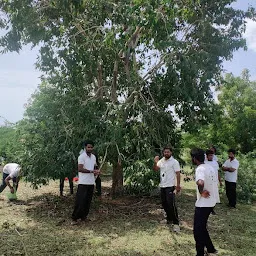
column 39, row 224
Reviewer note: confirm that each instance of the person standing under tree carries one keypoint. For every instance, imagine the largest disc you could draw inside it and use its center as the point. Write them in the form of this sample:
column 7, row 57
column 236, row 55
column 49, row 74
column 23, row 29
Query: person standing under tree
column 207, row 189
column 86, row 173
column 169, row 172
column 230, row 168
column 97, row 177
column 214, row 164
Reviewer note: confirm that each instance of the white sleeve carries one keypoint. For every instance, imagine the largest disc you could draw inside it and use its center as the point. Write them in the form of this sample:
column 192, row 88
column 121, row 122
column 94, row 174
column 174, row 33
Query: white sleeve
column 14, row 174
column 199, row 174
column 176, row 166
column 235, row 164
column 160, row 163
column 81, row 159
column 225, row 164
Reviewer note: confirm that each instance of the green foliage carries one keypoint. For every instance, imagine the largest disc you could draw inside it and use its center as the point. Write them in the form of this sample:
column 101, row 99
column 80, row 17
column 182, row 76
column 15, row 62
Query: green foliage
column 238, row 123
column 7, row 143
column 234, row 121
column 140, row 177
column 247, row 177
column 128, row 74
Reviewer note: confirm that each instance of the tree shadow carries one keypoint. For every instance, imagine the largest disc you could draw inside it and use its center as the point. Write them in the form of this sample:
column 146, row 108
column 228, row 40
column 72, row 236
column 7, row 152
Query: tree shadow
column 134, row 214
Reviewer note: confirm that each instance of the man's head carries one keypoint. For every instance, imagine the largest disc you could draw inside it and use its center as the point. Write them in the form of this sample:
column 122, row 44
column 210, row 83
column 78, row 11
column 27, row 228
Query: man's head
column 167, row 152
column 88, row 146
column 231, row 153
column 213, row 148
column 209, row 154
column 197, row 155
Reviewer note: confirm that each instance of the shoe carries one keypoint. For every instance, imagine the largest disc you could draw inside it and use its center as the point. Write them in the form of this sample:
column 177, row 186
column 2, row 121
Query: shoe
column 212, row 253
column 176, row 228
column 167, row 222
column 74, row 222
column 163, row 221
column 85, row 220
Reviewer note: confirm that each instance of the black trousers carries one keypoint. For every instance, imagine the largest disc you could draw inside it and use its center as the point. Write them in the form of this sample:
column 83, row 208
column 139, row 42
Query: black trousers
column 83, row 201
column 71, row 185
column 168, row 203
column 231, row 193
column 3, row 184
column 98, row 186
column 201, row 234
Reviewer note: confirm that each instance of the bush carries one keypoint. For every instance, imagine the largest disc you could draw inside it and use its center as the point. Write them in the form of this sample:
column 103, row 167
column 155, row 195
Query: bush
column 247, row 177
column 140, row 177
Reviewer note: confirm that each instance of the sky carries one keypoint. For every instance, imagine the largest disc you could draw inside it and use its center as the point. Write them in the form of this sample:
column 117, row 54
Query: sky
column 19, row 77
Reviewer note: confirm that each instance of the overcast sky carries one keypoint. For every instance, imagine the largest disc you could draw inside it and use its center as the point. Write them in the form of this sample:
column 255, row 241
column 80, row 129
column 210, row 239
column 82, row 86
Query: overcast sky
column 19, row 78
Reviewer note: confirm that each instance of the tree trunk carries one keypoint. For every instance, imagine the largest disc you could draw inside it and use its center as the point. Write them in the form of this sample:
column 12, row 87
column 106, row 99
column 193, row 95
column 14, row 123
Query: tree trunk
column 117, row 180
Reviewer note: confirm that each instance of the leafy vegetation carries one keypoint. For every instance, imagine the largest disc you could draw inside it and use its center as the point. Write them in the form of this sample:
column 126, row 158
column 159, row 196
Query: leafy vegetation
column 122, row 73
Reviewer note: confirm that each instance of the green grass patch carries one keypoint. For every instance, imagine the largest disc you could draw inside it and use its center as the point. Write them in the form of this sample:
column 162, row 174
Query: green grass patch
column 39, row 224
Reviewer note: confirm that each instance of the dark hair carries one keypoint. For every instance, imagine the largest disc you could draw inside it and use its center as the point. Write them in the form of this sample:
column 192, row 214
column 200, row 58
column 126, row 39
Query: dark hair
column 198, row 154
column 209, row 152
column 88, row 142
column 231, row 150
column 215, row 150
column 168, row 147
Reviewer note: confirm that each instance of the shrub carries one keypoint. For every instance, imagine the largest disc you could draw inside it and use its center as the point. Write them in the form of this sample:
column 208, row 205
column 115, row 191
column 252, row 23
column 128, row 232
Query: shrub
column 140, row 177
column 247, row 177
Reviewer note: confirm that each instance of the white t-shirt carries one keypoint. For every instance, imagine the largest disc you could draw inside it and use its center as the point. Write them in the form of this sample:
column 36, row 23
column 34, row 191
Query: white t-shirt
column 206, row 173
column 12, row 169
column 88, row 163
column 168, row 169
column 215, row 166
column 231, row 176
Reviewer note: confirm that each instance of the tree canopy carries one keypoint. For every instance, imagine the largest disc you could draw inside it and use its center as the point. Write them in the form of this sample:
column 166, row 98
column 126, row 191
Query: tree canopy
column 129, row 74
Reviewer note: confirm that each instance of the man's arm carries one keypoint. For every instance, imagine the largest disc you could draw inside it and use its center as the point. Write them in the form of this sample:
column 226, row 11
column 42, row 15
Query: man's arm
column 155, row 167
column 83, row 170
column 219, row 178
column 7, row 181
column 178, row 187
column 203, row 192
column 228, row 169
column 224, row 167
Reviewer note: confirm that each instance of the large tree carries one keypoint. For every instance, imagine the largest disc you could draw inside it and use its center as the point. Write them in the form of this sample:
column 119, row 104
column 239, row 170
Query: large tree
column 150, row 64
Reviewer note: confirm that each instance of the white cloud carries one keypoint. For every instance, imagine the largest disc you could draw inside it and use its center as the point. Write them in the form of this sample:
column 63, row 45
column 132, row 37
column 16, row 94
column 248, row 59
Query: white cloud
column 250, row 34
column 12, row 103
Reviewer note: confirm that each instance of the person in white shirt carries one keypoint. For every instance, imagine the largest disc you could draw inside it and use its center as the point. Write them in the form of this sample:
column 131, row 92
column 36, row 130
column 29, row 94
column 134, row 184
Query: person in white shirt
column 11, row 171
column 210, row 160
column 207, row 191
column 86, row 173
column 169, row 173
column 230, row 167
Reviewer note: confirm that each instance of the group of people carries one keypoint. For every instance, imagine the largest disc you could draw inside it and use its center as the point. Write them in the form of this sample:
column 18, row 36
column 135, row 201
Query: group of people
column 207, row 179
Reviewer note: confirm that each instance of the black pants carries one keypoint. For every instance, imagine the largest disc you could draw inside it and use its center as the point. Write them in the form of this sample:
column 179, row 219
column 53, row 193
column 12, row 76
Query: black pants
column 98, row 186
column 231, row 193
column 201, row 234
column 168, row 203
column 71, row 185
column 3, row 185
column 83, row 201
